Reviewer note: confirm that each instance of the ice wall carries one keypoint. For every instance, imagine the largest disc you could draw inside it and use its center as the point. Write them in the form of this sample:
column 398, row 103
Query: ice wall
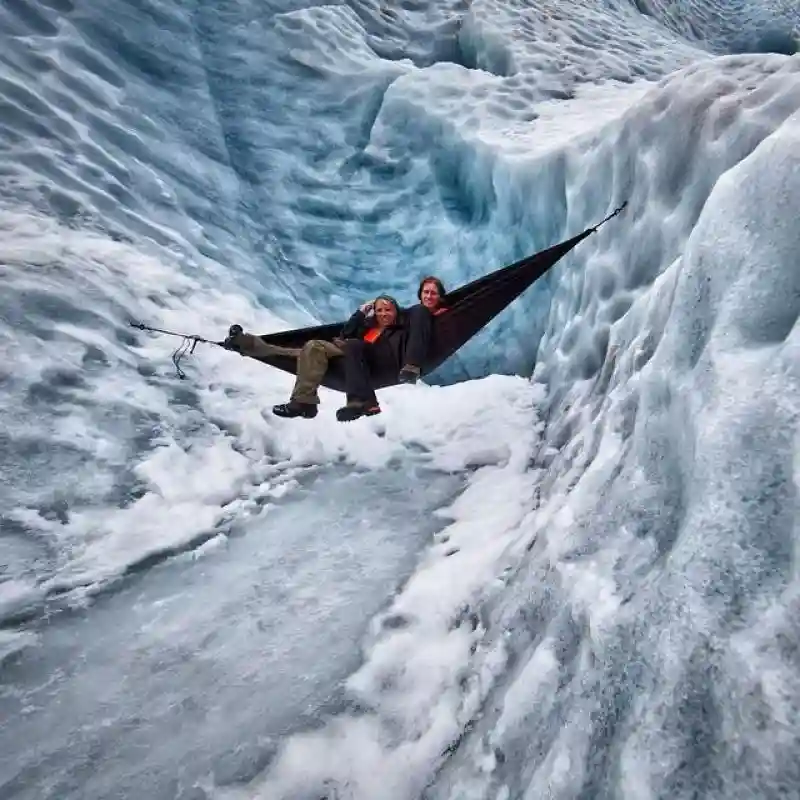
column 631, row 634
column 731, row 26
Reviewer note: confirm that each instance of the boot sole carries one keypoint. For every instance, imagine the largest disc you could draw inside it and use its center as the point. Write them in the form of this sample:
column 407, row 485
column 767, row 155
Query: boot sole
column 293, row 416
column 354, row 419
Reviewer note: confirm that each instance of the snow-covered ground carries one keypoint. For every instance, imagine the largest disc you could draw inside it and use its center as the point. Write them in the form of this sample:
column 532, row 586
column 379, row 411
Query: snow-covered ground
column 580, row 584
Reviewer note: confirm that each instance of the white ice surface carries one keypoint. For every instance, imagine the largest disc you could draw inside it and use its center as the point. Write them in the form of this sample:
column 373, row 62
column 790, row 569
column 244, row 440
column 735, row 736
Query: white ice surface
column 189, row 486
column 625, row 552
column 669, row 334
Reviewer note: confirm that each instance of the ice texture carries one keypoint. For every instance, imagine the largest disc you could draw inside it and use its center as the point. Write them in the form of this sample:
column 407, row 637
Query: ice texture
column 565, row 566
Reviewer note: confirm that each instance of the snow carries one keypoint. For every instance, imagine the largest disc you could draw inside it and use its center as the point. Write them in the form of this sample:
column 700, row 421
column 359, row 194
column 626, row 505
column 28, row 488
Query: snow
column 666, row 340
column 13, row 642
column 731, row 26
column 675, row 538
column 415, row 682
column 197, row 482
column 574, row 574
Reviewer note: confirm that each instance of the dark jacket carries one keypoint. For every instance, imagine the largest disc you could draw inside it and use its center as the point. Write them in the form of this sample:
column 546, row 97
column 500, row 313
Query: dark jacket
column 407, row 341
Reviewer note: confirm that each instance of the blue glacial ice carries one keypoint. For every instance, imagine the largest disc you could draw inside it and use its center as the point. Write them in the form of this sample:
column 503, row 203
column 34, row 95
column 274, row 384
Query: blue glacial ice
column 566, row 567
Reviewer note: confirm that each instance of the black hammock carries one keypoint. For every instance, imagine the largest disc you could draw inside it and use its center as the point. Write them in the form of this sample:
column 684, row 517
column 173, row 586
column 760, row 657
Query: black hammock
column 469, row 308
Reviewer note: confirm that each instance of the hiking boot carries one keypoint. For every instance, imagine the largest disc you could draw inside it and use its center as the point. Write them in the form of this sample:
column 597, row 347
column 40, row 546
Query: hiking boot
column 409, row 374
column 239, row 341
column 232, row 339
column 353, row 411
column 294, row 409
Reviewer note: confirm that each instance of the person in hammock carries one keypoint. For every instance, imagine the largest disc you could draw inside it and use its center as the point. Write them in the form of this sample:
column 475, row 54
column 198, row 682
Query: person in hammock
column 378, row 339
column 401, row 355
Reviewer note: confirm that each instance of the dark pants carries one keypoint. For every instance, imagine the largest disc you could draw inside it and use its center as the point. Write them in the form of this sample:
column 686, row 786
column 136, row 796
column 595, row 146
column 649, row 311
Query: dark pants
column 363, row 360
column 420, row 333
column 359, row 363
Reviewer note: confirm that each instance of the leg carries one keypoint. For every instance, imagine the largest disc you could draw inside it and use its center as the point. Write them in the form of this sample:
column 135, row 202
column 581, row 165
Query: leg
column 419, row 340
column 312, row 364
column 361, row 399
column 357, row 381
column 249, row 345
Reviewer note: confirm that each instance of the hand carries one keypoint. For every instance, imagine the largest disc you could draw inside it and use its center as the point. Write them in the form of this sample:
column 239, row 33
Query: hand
column 367, row 308
column 409, row 374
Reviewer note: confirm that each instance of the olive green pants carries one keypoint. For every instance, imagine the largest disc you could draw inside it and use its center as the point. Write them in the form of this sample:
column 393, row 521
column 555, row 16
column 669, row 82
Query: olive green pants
column 312, row 362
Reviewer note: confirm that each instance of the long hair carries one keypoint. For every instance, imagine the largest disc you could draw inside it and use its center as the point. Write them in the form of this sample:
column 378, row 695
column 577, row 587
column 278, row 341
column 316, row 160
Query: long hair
column 439, row 286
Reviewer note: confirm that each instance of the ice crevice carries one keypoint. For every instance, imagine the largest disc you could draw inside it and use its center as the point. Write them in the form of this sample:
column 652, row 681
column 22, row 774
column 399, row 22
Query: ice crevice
column 645, row 531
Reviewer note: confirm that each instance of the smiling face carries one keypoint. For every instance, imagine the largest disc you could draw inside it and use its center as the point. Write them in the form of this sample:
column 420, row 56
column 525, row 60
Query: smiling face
column 429, row 295
column 385, row 313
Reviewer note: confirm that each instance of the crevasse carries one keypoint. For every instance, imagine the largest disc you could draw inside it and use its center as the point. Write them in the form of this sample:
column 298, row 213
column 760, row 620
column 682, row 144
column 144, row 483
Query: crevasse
column 567, row 570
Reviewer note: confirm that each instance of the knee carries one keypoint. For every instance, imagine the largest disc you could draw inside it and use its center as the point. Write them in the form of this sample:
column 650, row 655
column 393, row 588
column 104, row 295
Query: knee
column 314, row 345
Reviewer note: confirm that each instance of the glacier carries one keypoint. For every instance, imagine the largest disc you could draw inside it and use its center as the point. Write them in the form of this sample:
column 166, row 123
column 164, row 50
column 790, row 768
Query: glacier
column 564, row 567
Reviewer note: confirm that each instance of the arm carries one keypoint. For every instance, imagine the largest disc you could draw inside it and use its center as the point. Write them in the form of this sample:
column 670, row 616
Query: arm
column 355, row 326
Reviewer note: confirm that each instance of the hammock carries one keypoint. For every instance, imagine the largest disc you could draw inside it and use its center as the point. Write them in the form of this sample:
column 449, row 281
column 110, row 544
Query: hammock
column 469, row 308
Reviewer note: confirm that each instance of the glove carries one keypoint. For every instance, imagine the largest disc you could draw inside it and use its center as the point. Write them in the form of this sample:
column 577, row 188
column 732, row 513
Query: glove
column 409, row 374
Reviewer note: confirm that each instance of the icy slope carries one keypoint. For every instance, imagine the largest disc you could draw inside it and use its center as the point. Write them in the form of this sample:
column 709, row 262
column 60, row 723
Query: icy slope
column 480, row 136
column 630, row 614
column 731, row 26
column 194, row 164
column 671, row 539
column 434, row 139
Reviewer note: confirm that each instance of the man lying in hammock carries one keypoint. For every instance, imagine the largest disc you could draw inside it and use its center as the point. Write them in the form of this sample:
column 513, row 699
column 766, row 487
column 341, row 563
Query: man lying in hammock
column 378, row 340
